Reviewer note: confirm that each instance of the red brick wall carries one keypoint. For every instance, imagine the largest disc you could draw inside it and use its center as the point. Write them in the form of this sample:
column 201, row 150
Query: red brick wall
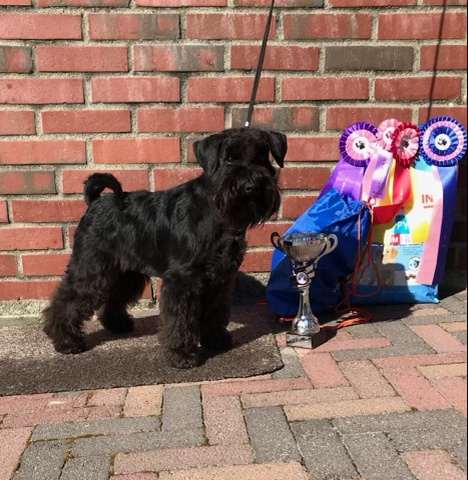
column 126, row 87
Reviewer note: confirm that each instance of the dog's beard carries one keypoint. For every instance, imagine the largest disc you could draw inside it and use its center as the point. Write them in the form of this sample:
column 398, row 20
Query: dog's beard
column 248, row 200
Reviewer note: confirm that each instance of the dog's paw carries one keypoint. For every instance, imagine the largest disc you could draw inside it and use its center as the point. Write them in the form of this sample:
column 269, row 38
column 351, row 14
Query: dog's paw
column 117, row 323
column 70, row 347
column 182, row 360
column 218, row 341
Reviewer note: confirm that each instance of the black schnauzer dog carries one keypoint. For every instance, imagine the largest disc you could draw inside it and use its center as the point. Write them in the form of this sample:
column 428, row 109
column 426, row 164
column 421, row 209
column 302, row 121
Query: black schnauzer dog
column 192, row 236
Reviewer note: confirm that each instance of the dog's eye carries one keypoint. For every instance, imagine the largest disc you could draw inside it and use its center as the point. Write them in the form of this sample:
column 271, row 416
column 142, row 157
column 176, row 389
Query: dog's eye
column 229, row 160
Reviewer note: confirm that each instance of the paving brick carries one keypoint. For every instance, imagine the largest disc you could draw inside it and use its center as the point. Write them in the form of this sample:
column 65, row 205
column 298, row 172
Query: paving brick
column 424, row 319
column 182, row 408
column 454, row 390
column 295, row 397
column 136, row 442
column 345, row 408
column 136, row 476
column 455, row 305
column 415, row 389
column 406, row 361
column 113, row 397
column 270, row 435
column 292, row 365
column 436, row 372
column 266, row 471
column 430, row 464
column 323, row 371
column 438, row 338
column 156, row 460
column 324, row 454
column 224, row 421
column 111, row 426
column 12, row 443
column 24, row 403
column 143, row 401
column 454, row 327
column 42, row 461
column 376, row 458
column 365, row 330
column 461, row 336
column 90, row 468
column 366, row 379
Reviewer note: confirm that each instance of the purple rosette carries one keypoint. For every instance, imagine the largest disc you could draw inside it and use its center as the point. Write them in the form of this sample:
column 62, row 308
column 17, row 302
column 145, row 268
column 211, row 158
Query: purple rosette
column 443, row 141
column 358, row 143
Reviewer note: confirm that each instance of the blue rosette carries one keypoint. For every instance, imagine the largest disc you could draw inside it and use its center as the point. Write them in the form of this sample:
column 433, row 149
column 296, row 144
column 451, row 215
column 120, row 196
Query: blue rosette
column 443, row 141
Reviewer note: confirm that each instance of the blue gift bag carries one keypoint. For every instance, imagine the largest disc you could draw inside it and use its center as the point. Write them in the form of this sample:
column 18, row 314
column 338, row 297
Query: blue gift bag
column 350, row 220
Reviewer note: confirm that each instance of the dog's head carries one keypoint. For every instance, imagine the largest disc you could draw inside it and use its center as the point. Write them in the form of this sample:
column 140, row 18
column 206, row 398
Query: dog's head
column 237, row 161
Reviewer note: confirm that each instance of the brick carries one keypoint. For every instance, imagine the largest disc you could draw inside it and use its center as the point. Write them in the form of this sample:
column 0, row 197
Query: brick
column 443, row 57
column 132, row 89
column 454, row 390
column 265, row 427
column 181, row 3
column 224, row 421
column 44, row 264
column 439, row 339
column 324, row 454
column 136, row 150
column 182, row 409
column 81, row 59
column 295, row 205
column 372, row 3
column 366, row 379
column 376, row 456
column 83, row 3
column 40, row 26
column 15, row 60
column 181, row 119
column 444, row 2
column 256, row 261
column 254, row 386
column 323, row 371
column 264, row 471
column 85, row 121
column 279, row 3
column 42, row 461
column 368, row 406
column 430, row 464
column 112, row 397
column 29, row 152
column 304, row 177
column 96, row 468
column 179, row 58
column 212, row 26
column 182, row 458
column 228, row 89
column 8, row 266
column 277, row 57
column 171, row 177
column 135, row 179
column 387, row 58
column 325, row 88
column 278, row 118
column 88, row 428
column 143, row 401
column 339, row 118
column 453, row 327
column 30, row 238
column 260, row 236
column 17, row 122
column 415, row 389
column 139, row 26
column 24, row 3
column 26, row 183
column 12, row 444
column 409, row 361
column 47, row 210
column 421, row 26
column 22, row 290
column 298, row 397
column 300, row 26
column 41, row 90
column 136, row 476
column 418, row 88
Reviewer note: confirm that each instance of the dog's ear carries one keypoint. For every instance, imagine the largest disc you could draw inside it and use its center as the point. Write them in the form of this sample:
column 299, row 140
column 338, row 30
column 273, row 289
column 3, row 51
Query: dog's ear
column 207, row 152
column 278, row 146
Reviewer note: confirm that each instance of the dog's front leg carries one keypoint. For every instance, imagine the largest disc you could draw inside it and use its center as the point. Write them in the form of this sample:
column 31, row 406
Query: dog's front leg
column 180, row 309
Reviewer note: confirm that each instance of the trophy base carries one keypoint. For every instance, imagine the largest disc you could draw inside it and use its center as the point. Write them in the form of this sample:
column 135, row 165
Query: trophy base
column 307, row 341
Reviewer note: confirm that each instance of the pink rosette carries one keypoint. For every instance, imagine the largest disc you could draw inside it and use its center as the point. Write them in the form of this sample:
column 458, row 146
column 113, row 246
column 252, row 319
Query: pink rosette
column 385, row 132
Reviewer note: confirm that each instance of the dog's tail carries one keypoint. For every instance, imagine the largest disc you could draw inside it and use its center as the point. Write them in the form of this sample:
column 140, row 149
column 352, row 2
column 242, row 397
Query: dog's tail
column 97, row 182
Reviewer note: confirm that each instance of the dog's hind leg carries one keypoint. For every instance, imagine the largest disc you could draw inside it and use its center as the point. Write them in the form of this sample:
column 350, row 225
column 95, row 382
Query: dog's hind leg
column 64, row 317
column 180, row 313
column 124, row 292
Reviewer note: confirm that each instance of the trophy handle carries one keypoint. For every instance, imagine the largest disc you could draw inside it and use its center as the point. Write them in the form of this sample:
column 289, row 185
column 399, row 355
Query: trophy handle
column 274, row 240
column 330, row 245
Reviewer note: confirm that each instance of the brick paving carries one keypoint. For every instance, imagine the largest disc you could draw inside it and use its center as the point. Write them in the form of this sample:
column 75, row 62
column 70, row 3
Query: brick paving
column 380, row 401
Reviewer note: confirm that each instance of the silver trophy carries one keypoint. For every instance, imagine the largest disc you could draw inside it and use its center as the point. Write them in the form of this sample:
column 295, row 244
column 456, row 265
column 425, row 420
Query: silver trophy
column 304, row 251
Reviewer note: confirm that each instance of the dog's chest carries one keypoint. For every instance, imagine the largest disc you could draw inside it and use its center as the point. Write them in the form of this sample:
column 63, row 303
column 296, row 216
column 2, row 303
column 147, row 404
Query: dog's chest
column 228, row 253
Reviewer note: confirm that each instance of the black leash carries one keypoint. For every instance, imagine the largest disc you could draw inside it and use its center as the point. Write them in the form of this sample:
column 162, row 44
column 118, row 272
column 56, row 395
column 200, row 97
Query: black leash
column 260, row 65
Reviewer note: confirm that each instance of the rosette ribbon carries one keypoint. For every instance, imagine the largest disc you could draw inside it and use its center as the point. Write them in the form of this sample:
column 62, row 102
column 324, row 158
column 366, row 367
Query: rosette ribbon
column 442, row 145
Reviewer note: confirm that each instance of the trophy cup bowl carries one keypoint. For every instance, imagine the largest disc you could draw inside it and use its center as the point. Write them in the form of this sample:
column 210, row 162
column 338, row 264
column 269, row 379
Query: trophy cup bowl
column 304, row 250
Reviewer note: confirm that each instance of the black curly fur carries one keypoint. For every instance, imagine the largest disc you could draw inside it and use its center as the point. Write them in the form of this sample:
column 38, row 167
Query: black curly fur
column 192, row 236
